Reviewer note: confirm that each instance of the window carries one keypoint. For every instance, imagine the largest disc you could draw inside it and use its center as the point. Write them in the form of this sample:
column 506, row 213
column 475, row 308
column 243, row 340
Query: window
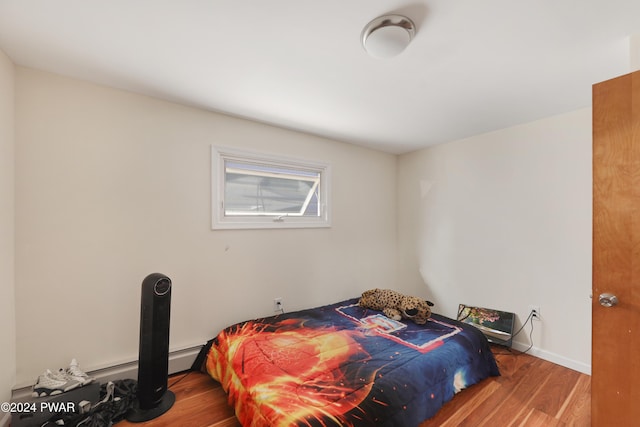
column 253, row 190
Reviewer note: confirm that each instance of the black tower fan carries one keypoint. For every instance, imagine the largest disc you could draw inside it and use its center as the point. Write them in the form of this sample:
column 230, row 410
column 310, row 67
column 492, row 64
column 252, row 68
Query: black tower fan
column 154, row 399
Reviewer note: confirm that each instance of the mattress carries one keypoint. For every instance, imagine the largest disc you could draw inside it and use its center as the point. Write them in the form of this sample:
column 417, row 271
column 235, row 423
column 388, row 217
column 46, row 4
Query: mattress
column 343, row 365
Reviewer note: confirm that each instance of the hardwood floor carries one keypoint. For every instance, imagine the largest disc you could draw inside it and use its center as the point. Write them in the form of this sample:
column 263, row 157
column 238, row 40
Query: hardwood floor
column 530, row 392
column 200, row 402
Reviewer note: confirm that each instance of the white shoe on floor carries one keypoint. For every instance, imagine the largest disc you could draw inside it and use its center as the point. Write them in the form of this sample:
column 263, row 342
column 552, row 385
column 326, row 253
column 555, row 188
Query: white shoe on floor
column 50, row 384
column 75, row 373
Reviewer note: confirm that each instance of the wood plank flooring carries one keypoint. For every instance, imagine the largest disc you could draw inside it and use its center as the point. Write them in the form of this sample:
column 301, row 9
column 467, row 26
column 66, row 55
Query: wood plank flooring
column 531, row 392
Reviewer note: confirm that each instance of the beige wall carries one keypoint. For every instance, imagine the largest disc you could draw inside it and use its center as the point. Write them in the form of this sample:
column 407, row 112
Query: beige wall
column 112, row 186
column 7, row 229
column 503, row 220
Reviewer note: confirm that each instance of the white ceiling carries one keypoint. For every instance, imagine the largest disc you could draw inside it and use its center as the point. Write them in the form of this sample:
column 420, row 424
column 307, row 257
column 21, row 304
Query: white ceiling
column 473, row 66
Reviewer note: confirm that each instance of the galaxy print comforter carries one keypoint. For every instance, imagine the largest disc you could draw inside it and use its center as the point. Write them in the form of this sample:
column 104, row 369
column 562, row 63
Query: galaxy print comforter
column 342, row 365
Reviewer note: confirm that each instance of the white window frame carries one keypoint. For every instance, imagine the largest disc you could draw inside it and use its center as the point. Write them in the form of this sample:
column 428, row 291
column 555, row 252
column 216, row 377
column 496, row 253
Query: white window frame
column 220, row 221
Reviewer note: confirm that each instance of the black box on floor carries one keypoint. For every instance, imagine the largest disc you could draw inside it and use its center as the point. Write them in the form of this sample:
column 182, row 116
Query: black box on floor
column 35, row 411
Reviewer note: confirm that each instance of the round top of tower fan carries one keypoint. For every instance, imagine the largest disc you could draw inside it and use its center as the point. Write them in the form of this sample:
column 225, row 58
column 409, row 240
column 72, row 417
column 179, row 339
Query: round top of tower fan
column 162, row 286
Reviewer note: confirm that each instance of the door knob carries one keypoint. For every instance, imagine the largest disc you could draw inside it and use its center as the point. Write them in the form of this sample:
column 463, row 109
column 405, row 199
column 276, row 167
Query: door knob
column 608, row 300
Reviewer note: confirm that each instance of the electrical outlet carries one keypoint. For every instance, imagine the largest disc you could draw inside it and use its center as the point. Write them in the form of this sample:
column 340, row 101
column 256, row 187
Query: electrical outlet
column 535, row 310
column 277, row 304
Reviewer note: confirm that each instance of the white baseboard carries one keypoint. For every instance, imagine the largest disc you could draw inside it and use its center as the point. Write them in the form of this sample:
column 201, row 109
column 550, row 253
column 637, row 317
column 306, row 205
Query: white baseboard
column 179, row 361
column 554, row 358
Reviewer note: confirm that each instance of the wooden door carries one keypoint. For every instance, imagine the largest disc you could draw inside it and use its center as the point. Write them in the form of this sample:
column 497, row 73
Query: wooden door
column 615, row 361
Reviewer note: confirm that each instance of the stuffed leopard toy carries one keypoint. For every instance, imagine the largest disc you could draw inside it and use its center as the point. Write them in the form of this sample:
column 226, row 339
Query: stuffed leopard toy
column 396, row 305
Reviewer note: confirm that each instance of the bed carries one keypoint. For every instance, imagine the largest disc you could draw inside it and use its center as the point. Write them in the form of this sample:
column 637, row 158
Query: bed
column 343, row 365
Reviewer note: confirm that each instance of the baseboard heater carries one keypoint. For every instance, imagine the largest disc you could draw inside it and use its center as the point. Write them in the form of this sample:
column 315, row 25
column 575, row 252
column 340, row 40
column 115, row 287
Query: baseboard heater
column 179, row 361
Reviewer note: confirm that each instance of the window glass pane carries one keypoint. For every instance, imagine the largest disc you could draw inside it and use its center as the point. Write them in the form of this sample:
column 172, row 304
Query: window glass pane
column 253, row 189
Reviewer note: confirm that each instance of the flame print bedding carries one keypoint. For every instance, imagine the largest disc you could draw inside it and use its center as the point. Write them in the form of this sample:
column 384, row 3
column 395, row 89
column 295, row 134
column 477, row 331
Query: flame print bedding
column 342, row 365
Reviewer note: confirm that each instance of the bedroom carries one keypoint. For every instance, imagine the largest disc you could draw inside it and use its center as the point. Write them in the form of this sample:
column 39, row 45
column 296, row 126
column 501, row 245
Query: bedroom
column 111, row 185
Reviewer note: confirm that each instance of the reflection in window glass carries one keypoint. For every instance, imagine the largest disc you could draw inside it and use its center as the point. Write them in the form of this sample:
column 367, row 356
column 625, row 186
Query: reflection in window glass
column 252, row 189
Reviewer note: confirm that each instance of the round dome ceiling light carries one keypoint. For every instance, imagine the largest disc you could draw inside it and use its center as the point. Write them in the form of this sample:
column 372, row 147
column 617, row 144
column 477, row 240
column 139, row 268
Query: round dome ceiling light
column 388, row 35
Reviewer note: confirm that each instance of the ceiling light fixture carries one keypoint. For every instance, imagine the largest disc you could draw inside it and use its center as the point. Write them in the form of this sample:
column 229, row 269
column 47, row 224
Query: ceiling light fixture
column 388, row 35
